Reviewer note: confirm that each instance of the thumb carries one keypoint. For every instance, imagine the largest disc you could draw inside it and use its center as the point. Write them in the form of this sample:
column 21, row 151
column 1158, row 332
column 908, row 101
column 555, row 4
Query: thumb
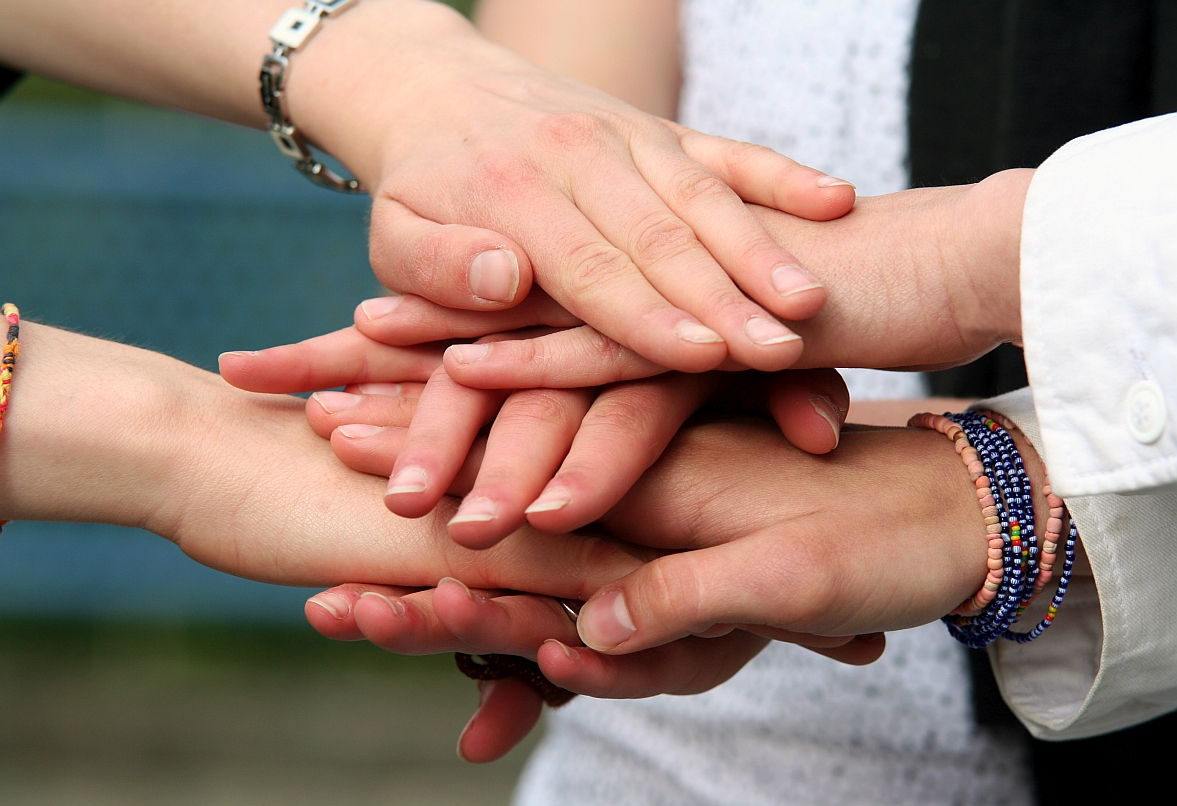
column 671, row 597
column 810, row 406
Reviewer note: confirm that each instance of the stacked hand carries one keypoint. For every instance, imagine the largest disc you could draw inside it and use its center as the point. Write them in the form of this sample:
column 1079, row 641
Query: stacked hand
column 783, row 544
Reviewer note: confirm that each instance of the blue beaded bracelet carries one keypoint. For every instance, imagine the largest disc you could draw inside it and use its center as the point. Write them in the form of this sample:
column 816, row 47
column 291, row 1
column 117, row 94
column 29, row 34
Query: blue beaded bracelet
column 1018, row 566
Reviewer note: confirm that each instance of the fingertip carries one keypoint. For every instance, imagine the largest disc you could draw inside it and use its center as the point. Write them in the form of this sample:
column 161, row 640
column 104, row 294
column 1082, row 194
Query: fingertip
column 863, row 650
column 810, row 406
column 826, row 181
column 377, row 308
column 802, row 295
column 494, row 276
column 832, row 199
column 549, row 512
column 560, row 662
column 408, row 493
column 235, row 354
column 236, row 367
column 330, row 614
column 507, row 711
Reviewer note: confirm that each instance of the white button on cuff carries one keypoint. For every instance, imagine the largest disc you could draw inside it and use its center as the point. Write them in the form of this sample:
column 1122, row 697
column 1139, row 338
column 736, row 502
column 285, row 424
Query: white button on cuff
column 1146, row 412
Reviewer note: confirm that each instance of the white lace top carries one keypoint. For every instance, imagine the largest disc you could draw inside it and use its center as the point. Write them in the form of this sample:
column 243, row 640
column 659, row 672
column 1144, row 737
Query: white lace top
column 825, row 82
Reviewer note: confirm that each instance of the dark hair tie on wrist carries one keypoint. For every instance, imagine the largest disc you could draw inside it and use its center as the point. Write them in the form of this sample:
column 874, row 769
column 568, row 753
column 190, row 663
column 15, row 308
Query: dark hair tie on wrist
column 497, row 667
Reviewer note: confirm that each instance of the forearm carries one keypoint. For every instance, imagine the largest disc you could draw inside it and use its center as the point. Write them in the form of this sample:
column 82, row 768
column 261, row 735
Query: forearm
column 627, row 48
column 98, row 431
column 84, row 438
column 206, row 57
column 203, row 57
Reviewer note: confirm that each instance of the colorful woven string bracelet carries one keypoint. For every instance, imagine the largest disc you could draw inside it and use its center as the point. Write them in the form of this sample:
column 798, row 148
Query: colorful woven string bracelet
column 1017, row 568
column 8, row 365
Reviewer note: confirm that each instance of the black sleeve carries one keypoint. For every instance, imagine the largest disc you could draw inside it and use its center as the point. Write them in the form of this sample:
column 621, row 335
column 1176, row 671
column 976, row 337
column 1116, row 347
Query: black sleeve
column 8, row 79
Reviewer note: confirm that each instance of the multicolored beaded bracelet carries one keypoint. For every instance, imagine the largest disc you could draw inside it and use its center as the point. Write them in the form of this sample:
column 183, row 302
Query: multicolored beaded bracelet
column 1017, row 570
column 8, row 364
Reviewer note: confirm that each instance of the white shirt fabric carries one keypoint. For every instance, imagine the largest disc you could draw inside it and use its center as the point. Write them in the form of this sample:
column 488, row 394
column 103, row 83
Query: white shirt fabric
column 1099, row 308
column 1099, row 319
column 826, row 83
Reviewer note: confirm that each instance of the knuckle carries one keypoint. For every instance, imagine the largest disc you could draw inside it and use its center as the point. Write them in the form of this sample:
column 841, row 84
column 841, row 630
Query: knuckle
column 425, row 263
column 597, row 348
column 603, row 558
column 728, row 302
column 536, row 406
column 495, row 172
column 661, row 235
column 673, row 587
column 620, row 414
column 692, row 186
column 594, row 265
column 744, row 155
column 573, row 131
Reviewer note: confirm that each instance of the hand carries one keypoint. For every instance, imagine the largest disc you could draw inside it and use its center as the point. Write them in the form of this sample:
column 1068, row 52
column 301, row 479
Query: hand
column 917, row 280
column 482, row 165
column 486, row 170
column 237, row 480
column 782, row 540
column 884, row 533
column 557, row 458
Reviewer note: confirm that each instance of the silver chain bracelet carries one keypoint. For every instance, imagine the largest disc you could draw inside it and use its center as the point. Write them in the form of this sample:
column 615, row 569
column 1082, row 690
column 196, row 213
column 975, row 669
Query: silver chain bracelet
column 290, row 32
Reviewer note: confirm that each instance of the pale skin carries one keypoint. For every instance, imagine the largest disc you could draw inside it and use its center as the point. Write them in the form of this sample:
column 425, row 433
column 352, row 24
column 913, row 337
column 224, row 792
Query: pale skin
column 648, row 673
column 919, row 243
column 940, row 250
column 241, row 483
column 103, row 432
column 921, row 278
column 487, row 172
column 835, row 529
column 932, row 251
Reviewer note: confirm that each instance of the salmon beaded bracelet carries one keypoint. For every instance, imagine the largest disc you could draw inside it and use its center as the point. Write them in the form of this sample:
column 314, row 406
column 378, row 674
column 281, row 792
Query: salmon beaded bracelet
column 8, row 365
column 1017, row 569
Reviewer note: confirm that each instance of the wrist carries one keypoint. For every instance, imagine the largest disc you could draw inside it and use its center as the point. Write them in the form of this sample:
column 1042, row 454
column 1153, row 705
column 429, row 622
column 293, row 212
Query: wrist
column 361, row 86
column 985, row 236
column 91, row 432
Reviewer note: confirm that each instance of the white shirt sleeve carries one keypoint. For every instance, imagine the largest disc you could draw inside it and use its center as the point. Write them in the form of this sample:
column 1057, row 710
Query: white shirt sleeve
column 1099, row 308
column 1107, row 662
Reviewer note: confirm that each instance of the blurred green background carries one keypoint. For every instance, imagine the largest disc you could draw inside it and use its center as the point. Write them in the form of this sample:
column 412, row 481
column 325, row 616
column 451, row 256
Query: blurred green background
column 129, row 674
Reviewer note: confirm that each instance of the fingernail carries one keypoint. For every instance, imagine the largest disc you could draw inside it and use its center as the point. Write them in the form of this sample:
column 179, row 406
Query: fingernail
column 826, row 409
column 335, row 402
column 870, row 638
column 485, row 687
column 494, row 275
column 239, row 354
column 358, row 430
column 395, row 605
column 605, row 622
column 381, row 306
column 569, row 652
column 790, row 279
column 338, row 606
column 475, row 510
column 412, row 479
column 764, row 331
column 697, row 333
column 386, row 389
column 468, row 353
column 469, row 593
column 550, row 501
column 832, row 182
